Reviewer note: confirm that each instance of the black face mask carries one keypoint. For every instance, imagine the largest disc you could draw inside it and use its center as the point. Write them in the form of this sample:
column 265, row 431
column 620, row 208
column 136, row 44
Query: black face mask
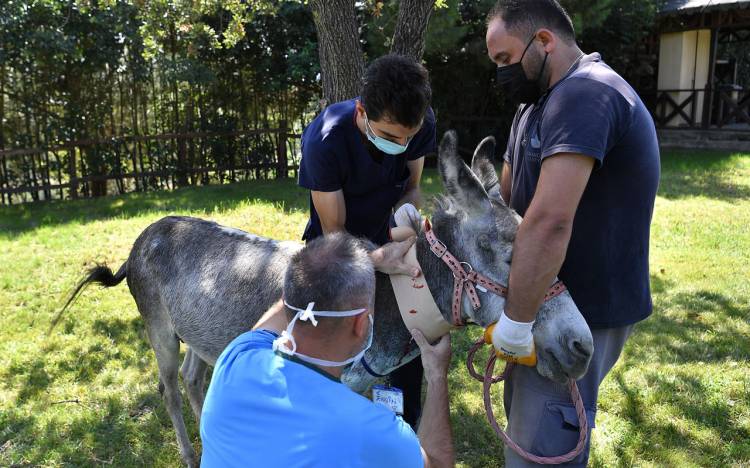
column 514, row 83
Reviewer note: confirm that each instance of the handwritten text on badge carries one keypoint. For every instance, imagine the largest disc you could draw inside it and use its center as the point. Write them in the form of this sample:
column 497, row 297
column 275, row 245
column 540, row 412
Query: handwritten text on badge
column 391, row 397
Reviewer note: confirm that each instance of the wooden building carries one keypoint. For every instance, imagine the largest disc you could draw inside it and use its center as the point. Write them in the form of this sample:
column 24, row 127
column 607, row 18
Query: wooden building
column 703, row 83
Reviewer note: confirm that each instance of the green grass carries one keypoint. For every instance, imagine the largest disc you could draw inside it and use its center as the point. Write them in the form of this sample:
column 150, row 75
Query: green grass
column 87, row 394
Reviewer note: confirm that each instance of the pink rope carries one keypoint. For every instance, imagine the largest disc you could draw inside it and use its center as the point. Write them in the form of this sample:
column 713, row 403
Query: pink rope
column 487, row 380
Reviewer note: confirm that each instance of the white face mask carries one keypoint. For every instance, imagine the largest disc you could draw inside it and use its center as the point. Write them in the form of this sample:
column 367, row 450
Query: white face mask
column 309, row 314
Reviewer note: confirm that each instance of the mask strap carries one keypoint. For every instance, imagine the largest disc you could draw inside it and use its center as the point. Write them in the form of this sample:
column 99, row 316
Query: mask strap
column 531, row 41
column 356, row 357
column 539, row 75
column 307, row 314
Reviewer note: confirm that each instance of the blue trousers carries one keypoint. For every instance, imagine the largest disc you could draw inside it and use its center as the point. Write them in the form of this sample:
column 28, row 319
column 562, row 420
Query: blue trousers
column 541, row 417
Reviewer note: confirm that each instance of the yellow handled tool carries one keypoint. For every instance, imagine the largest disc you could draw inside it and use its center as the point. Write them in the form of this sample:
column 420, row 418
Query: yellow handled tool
column 523, row 360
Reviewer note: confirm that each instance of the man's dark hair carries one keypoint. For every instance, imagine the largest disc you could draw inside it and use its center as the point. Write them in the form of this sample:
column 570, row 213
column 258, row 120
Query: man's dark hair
column 334, row 272
column 524, row 17
column 396, row 88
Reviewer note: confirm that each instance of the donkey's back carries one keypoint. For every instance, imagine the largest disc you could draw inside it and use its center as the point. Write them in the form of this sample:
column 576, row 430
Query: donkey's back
column 203, row 282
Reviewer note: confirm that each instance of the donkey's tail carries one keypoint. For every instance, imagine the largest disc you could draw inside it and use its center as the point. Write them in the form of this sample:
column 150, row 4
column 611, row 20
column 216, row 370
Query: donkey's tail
column 101, row 274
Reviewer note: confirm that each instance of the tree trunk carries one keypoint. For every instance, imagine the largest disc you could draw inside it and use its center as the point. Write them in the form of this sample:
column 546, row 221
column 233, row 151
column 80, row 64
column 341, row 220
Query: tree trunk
column 411, row 28
column 341, row 60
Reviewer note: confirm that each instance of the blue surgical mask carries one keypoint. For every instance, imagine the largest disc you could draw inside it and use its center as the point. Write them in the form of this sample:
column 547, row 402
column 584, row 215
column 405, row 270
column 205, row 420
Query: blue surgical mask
column 384, row 145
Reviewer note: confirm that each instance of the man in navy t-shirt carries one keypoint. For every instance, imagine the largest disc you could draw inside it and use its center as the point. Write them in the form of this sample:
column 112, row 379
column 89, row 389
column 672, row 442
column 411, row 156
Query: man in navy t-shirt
column 582, row 168
column 362, row 158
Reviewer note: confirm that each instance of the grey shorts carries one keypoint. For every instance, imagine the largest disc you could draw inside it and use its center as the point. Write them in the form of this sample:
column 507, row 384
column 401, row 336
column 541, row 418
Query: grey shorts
column 541, row 417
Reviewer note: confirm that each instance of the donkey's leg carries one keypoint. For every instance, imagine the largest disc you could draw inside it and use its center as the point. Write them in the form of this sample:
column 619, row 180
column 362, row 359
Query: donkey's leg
column 193, row 372
column 167, row 349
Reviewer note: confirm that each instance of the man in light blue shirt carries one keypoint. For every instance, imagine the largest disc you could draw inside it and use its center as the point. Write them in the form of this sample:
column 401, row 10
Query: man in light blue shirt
column 275, row 397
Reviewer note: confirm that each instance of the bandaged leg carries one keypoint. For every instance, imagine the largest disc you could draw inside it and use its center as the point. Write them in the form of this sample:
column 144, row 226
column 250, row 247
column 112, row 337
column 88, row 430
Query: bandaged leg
column 407, row 218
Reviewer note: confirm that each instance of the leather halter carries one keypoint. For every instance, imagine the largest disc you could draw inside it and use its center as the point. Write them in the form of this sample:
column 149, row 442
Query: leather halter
column 472, row 280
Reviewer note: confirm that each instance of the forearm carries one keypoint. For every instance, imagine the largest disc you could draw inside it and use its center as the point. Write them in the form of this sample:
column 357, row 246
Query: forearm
column 330, row 228
column 538, row 254
column 435, row 433
column 331, row 208
column 505, row 183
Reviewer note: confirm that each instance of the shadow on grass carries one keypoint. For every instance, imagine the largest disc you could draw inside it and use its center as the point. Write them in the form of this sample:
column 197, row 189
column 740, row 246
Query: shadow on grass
column 15, row 431
column 286, row 194
column 683, row 395
column 16, row 220
column 114, row 430
column 35, row 374
column 131, row 331
column 110, row 432
column 687, row 327
column 700, row 173
column 685, row 334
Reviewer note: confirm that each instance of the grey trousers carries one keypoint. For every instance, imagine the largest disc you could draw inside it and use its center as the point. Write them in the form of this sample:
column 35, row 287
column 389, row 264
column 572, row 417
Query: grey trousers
column 541, row 417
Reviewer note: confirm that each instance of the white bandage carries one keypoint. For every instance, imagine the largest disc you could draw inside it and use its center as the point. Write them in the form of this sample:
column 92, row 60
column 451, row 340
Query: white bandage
column 407, row 215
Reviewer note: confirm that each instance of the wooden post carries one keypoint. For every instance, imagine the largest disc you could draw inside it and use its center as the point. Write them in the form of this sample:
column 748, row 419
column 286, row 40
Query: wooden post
column 3, row 177
column 72, row 173
column 708, row 98
column 282, row 167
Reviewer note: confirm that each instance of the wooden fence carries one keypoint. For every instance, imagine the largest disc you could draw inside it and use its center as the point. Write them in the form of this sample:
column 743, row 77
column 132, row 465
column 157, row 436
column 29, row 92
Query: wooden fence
column 89, row 168
column 718, row 107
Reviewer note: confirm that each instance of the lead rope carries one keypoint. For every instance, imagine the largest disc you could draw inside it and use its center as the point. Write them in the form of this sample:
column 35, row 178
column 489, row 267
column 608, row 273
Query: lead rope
column 487, row 380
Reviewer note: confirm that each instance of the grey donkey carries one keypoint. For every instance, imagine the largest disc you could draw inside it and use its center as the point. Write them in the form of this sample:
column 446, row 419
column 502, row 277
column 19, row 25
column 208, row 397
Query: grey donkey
column 205, row 284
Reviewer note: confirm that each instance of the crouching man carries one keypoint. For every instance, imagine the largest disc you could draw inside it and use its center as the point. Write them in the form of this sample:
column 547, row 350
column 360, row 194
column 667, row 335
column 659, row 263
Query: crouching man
column 275, row 397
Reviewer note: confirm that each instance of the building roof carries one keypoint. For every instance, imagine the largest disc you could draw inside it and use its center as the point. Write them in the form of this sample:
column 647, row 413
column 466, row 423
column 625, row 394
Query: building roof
column 682, row 7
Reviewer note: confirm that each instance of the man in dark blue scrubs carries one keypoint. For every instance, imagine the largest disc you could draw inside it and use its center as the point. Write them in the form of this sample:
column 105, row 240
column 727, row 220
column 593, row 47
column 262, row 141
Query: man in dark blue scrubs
column 363, row 158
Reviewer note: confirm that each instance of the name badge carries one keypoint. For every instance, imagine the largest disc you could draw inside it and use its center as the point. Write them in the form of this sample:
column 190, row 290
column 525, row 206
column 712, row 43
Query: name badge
column 391, row 397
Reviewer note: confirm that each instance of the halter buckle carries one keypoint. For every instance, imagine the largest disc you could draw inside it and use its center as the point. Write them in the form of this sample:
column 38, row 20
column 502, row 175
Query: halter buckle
column 438, row 248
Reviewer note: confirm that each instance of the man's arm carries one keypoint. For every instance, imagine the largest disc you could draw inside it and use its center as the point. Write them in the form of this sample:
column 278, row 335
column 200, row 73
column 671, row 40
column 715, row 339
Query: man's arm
column 544, row 233
column 435, row 435
column 331, row 210
column 273, row 319
column 505, row 181
column 413, row 192
column 386, row 259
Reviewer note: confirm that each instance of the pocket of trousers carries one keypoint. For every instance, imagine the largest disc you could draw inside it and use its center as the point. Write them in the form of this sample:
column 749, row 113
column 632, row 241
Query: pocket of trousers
column 557, row 433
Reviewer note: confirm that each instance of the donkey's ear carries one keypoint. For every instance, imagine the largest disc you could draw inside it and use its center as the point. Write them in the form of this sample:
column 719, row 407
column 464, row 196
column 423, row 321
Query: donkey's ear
column 482, row 166
column 459, row 181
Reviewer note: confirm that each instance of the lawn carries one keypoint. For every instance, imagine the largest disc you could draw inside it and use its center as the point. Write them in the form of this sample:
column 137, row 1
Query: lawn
column 87, row 394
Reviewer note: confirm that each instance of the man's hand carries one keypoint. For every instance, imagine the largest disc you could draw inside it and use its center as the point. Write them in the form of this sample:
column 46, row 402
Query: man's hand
column 435, row 358
column 389, row 259
column 513, row 341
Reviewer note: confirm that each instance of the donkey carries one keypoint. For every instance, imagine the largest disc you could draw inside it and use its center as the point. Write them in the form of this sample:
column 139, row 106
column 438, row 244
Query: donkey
column 204, row 284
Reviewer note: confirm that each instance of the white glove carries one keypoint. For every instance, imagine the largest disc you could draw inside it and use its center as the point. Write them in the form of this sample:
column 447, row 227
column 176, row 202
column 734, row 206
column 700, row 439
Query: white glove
column 513, row 339
column 407, row 215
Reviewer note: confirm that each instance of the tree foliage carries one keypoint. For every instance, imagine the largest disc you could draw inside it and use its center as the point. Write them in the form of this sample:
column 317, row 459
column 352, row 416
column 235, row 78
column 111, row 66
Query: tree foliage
column 92, row 69
column 86, row 69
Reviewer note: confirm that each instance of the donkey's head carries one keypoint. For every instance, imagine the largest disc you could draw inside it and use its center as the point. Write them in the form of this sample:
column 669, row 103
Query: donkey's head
column 478, row 228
